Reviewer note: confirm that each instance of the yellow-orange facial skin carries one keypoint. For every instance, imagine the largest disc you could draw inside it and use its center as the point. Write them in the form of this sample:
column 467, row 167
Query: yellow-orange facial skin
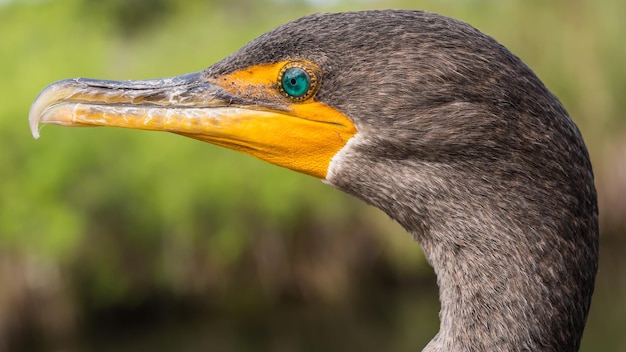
column 258, row 119
column 303, row 138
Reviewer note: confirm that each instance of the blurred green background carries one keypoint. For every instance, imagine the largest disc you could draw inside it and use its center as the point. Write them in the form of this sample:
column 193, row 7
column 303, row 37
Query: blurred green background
column 132, row 241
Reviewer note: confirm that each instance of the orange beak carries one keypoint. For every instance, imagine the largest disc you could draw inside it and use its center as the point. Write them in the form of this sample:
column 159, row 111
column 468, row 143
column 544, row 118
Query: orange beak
column 301, row 136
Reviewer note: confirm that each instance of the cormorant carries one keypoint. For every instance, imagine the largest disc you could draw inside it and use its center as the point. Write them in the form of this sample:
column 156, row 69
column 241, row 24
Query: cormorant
column 422, row 116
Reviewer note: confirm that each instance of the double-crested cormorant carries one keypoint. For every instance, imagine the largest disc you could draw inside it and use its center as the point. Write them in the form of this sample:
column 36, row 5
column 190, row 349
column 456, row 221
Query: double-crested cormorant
column 421, row 116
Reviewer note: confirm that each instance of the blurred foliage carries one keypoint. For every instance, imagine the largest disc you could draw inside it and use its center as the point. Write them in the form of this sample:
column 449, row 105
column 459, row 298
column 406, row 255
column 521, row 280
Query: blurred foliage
column 129, row 16
column 94, row 222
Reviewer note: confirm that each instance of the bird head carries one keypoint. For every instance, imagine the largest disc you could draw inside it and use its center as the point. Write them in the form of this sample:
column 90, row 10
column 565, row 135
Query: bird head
column 293, row 96
column 348, row 98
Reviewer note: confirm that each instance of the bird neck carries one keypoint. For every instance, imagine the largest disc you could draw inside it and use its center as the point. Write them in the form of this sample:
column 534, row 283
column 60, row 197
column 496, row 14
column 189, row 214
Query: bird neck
column 503, row 287
column 489, row 293
column 511, row 276
column 488, row 297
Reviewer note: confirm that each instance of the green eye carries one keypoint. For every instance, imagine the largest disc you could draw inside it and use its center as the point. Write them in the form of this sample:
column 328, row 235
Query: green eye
column 296, row 82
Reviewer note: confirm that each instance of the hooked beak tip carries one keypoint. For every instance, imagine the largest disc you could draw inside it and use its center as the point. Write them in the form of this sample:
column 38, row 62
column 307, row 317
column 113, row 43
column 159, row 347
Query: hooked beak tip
column 33, row 118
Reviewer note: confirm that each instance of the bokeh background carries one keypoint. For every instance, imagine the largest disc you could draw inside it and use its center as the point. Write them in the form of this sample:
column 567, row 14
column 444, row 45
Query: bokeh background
column 133, row 241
